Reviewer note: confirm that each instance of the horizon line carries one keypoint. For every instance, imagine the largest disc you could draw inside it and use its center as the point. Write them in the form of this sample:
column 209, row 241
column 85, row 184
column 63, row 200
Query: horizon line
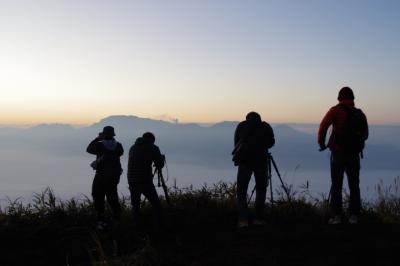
column 172, row 121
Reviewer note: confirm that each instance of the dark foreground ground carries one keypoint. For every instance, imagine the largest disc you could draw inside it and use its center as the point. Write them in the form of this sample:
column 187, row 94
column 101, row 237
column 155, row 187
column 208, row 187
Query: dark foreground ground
column 314, row 245
column 199, row 230
column 272, row 244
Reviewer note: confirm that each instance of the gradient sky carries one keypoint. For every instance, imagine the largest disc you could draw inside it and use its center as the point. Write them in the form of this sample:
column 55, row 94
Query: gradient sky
column 198, row 61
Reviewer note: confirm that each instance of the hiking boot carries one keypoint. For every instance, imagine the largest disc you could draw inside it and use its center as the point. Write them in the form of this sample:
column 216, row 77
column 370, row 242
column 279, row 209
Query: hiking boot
column 335, row 220
column 353, row 219
column 243, row 224
column 259, row 222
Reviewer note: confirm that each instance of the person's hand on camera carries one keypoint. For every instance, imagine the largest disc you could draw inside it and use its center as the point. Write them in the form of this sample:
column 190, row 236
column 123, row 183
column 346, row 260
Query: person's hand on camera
column 322, row 147
column 100, row 136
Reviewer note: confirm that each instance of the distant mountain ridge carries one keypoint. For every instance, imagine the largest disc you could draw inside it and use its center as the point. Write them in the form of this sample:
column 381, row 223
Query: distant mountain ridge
column 191, row 143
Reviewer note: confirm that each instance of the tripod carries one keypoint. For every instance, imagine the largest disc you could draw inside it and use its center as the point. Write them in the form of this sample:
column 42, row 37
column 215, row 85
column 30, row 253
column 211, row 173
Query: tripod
column 161, row 181
column 270, row 163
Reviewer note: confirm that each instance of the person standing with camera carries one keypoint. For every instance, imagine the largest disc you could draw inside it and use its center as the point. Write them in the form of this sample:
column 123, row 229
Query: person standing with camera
column 142, row 155
column 253, row 137
column 108, row 171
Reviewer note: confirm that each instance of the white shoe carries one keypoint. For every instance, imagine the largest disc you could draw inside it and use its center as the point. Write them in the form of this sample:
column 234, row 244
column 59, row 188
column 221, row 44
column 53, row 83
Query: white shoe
column 259, row 222
column 353, row 219
column 242, row 224
column 335, row 220
column 101, row 225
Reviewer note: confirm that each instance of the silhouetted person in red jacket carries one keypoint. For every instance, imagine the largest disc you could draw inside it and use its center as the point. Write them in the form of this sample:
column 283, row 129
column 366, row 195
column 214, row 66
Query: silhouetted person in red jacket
column 346, row 142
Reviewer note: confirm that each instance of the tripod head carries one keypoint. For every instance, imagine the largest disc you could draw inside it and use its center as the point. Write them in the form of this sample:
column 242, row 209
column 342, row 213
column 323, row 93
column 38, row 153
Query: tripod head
column 158, row 169
column 159, row 164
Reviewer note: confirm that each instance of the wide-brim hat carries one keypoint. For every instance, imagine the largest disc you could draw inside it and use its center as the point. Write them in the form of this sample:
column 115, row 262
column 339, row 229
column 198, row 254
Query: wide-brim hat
column 108, row 131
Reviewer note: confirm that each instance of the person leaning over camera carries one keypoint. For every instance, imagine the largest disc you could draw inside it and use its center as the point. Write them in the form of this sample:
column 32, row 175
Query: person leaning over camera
column 108, row 171
column 142, row 155
column 253, row 138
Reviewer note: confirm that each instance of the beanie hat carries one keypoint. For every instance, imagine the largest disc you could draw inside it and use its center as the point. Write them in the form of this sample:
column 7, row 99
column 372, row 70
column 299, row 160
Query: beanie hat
column 345, row 93
column 253, row 117
column 149, row 136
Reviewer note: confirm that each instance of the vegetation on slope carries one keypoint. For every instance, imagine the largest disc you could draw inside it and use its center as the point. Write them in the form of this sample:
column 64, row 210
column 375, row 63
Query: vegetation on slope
column 200, row 229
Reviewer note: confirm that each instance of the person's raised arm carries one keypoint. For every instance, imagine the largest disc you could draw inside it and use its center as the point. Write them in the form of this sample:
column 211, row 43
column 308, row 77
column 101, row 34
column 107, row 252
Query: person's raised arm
column 93, row 147
column 271, row 136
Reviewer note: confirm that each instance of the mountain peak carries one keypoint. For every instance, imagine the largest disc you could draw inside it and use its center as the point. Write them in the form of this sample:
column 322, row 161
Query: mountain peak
column 52, row 126
column 118, row 118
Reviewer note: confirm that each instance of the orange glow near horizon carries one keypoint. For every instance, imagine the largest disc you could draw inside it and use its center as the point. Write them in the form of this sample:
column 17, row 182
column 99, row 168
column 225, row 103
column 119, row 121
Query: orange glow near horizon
column 203, row 62
column 87, row 117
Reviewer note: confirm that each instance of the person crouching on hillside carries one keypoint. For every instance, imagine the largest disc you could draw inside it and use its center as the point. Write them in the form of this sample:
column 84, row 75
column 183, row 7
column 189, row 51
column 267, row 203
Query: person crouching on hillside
column 253, row 138
column 108, row 171
column 142, row 155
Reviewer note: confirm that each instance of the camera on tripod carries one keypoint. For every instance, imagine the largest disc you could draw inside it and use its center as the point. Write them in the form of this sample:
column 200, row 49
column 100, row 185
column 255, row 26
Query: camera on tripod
column 161, row 180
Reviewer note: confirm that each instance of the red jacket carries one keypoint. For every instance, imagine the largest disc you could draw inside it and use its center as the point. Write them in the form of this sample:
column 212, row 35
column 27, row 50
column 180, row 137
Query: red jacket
column 336, row 117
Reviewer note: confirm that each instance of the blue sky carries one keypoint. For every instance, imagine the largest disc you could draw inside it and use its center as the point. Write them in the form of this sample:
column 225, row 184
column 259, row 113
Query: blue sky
column 198, row 61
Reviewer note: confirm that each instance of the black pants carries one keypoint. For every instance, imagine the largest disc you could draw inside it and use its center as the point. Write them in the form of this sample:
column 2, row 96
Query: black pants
column 149, row 191
column 243, row 179
column 341, row 163
column 105, row 186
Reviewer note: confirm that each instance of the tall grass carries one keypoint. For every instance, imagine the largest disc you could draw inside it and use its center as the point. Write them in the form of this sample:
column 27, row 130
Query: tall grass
column 51, row 231
column 387, row 205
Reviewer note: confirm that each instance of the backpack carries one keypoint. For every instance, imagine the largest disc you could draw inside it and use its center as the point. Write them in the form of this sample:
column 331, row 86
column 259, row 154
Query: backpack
column 354, row 133
column 241, row 150
column 244, row 148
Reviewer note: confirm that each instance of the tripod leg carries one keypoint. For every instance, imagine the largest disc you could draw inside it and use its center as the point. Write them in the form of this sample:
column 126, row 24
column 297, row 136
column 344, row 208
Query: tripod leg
column 280, row 178
column 269, row 178
column 251, row 195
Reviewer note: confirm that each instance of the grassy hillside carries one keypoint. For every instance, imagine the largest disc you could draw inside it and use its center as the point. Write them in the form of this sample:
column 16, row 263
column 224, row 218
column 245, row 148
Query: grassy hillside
column 200, row 229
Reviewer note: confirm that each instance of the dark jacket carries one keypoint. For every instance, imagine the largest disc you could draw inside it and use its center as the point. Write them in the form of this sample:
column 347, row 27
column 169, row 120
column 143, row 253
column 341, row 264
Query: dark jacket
column 258, row 136
column 142, row 155
column 337, row 118
column 108, row 152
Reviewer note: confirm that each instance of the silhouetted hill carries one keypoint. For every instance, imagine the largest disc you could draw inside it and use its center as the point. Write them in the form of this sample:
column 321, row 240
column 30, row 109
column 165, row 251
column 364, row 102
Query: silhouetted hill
column 195, row 144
